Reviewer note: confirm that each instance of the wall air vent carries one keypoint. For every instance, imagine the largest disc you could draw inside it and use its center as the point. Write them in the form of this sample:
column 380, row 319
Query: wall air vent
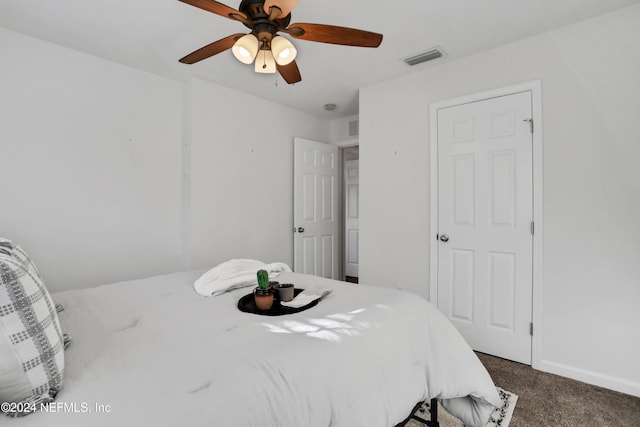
column 428, row 55
column 353, row 128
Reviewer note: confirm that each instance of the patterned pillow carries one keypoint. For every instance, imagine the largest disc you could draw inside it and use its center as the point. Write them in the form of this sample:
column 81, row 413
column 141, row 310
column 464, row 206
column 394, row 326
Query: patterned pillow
column 31, row 340
column 5, row 246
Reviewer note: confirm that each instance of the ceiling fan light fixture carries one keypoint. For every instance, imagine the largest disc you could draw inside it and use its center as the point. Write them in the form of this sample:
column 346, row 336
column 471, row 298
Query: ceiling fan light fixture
column 246, row 48
column 283, row 50
column 265, row 62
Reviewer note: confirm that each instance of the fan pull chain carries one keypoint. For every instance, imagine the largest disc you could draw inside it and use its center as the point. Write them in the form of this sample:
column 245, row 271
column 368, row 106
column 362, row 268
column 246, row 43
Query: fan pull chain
column 263, row 50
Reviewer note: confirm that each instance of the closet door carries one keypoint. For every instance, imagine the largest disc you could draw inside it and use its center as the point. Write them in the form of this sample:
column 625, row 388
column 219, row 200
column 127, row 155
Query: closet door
column 485, row 213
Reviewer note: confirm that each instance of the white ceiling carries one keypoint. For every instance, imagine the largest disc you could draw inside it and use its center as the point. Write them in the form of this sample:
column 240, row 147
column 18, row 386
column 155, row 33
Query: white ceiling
column 153, row 34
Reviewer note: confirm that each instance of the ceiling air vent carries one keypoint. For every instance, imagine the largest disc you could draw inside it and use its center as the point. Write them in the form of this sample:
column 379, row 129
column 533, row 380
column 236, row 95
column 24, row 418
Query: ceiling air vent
column 353, row 128
column 423, row 57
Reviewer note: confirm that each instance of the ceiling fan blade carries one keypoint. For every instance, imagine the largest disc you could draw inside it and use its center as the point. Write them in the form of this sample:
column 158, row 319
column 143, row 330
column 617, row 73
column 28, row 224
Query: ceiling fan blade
column 334, row 35
column 211, row 49
column 290, row 72
column 217, row 8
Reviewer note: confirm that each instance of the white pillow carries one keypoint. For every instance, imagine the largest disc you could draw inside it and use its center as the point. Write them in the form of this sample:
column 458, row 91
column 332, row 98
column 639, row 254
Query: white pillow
column 31, row 340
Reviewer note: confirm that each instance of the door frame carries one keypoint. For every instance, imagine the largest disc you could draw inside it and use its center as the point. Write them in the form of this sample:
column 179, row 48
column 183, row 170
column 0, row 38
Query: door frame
column 535, row 87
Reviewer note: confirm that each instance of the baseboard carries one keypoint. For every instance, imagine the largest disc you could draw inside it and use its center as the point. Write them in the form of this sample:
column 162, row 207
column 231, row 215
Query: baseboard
column 594, row 378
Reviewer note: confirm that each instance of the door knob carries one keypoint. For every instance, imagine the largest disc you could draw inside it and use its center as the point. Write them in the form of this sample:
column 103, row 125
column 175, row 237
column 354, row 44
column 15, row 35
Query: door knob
column 444, row 237
column 300, row 229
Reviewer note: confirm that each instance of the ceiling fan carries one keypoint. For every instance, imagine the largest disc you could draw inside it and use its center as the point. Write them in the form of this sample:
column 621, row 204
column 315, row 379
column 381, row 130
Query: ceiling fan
column 271, row 52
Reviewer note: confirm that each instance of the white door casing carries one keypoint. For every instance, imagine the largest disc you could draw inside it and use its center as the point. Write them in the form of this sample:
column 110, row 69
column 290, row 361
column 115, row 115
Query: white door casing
column 316, row 206
column 485, row 214
column 352, row 217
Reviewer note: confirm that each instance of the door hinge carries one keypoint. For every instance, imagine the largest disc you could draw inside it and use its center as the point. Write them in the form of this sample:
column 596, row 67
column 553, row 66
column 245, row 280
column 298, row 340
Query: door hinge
column 533, row 228
column 530, row 123
column 531, row 328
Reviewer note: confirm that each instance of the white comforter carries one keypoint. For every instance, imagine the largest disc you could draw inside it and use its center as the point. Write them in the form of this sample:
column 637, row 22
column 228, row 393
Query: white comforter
column 154, row 353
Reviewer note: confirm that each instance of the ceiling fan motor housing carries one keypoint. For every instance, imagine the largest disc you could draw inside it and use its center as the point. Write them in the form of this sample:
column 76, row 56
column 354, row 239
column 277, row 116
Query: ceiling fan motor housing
column 259, row 22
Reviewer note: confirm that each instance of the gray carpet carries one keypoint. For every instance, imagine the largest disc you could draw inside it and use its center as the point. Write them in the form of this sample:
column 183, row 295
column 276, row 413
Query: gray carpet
column 550, row 400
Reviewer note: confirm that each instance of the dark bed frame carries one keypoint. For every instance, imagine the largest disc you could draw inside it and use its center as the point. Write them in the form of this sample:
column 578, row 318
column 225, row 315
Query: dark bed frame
column 433, row 407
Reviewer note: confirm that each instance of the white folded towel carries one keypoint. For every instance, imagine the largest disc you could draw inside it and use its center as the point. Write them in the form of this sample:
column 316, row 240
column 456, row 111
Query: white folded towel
column 307, row 296
column 235, row 273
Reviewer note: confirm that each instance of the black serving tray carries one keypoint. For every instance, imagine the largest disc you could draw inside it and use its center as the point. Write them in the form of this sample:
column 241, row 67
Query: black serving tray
column 248, row 305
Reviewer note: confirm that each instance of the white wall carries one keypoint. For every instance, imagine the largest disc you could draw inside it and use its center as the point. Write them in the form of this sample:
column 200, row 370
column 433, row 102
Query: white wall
column 89, row 181
column 339, row 129
column 115, row 173
column 591, row 104
column 242, row 174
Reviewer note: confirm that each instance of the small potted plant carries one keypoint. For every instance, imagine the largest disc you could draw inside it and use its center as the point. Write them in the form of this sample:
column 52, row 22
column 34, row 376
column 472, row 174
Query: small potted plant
column 263, row 294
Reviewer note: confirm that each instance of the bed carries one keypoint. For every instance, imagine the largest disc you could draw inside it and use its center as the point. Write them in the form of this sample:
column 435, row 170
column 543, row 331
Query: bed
column 154, row 352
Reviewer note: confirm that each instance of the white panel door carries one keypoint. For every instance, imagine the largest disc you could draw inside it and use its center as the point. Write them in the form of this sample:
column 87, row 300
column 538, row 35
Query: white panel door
column 485, row 212
column 352, row 217
column 316, row 208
